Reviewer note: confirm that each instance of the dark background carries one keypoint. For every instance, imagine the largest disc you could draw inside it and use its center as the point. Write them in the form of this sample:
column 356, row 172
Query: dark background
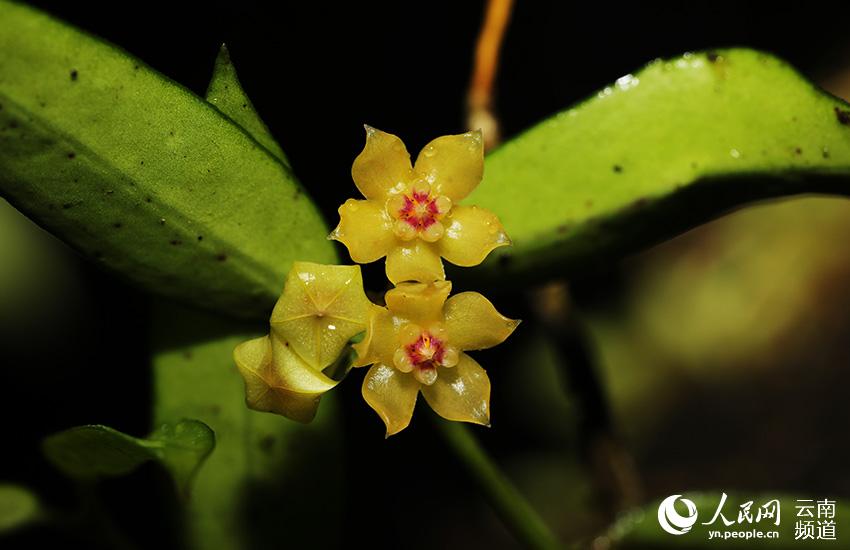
column 316, row 71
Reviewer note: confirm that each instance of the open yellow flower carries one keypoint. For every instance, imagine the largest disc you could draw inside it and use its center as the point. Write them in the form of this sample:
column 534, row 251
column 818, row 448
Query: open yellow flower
column 417, row 343
column 411, row 214
column 321, row 308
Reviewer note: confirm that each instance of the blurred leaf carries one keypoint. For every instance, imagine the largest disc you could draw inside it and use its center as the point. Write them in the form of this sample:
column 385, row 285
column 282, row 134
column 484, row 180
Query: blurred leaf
column 143, row 176
column 640, row 529
column 18, row 507
column 660, row 151
column 736, row 302
column 271, row 481
column 226, row 94
column 90, row 452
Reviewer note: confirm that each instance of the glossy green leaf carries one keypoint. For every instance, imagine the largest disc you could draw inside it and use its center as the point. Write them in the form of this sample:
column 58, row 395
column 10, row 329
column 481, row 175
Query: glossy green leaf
column 143, row 176
column 18, row 507
column 226, row 94
column 271, row 482
column 667, row 148
column 640, row 528
column 91, row 452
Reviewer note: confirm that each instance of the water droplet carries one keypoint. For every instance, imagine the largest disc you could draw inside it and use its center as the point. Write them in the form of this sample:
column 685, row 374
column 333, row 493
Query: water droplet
column 626, row 82
column 430, row 151
column 735, row 153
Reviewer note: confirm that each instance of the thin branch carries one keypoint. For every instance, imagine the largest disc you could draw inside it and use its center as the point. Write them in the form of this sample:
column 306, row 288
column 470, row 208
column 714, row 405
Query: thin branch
column 480, row 113
column 517, row 514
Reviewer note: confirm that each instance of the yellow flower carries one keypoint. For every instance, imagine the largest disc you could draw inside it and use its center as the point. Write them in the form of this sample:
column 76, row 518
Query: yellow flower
column 417, row 343
column 277, row 380
column 321, row 308
column 411, row 214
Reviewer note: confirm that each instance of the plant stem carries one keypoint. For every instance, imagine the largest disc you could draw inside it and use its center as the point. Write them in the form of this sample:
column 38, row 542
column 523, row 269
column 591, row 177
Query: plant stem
column 514, row 510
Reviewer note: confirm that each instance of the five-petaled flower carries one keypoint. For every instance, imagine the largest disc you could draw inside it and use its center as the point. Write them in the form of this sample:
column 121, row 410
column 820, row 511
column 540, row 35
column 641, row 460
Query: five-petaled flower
column 411, row 214
column 417, row 343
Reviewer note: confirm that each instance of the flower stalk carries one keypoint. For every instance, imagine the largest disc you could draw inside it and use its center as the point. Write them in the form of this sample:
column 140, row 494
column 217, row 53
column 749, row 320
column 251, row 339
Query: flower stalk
column 519, row 516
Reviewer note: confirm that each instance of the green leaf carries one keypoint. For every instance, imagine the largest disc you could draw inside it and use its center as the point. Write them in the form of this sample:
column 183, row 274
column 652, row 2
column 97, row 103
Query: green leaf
column 660, row 151
column 640, row 528
column 271, row 482
column 226, row 93
column 18, row 507
column 143, row 176
column 91, row 452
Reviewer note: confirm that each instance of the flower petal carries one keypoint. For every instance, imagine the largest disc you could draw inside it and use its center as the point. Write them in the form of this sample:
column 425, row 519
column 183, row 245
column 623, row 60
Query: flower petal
column 392, row 394
column 471, row 233
column 383, row 165
column 381, row 340
column 290, row 372
column 472, row 322
column 461, row 393
column 278, row 381
column 453, row 165
column 419, row 302
column 365, row 229
column 321, row 308
column 414, row 261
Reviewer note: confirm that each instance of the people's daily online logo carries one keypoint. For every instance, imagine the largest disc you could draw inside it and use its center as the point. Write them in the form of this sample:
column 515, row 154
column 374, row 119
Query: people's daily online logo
column 815, row 520
column 671, row 521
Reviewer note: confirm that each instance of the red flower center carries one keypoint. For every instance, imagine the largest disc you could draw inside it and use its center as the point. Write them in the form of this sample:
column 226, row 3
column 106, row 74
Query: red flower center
column 420, row 210
column 426, row 352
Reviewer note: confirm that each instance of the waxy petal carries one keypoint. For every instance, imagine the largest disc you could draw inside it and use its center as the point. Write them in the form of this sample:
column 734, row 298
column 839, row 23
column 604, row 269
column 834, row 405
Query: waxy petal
column 418, row 302
column 453, row 165
column 414, row 261
column 381, row 340
column 382, row 166
column 472, row 322
column 392, row 394
column 461, row 393
column 365, row 229
column 291, row 372
column 278, row 381
column 321, row 308
column 471, row 233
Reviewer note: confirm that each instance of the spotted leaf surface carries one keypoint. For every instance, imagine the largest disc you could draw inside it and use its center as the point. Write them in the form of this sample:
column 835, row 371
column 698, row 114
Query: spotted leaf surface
column 657, row 152
column 143, row 176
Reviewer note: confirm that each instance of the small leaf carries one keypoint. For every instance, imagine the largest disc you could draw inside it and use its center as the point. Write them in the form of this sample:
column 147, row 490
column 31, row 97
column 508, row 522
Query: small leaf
column 270, row 479
column 143, row 176
column 660, row 151
column 18, row 507
column 91, row 452
column 183, row 447
column 226, row 94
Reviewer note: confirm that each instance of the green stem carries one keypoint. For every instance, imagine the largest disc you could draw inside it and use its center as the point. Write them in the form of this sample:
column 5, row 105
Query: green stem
column 517, row 514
